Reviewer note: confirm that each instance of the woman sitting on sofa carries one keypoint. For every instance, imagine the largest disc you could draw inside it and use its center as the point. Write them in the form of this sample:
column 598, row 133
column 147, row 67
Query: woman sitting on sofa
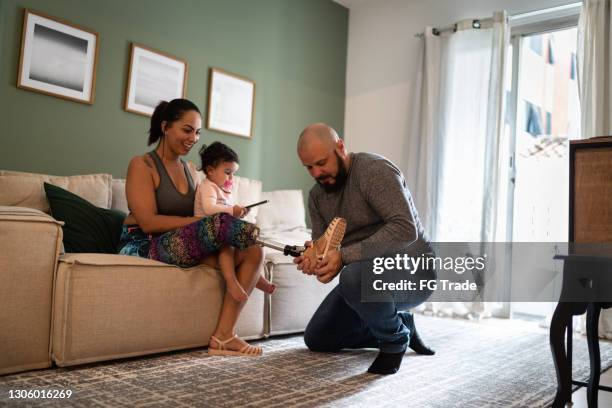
column 160, row 192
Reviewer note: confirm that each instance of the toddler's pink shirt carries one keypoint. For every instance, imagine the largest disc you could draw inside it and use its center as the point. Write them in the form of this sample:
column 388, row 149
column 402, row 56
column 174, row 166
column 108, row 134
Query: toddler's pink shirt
column 211, row 199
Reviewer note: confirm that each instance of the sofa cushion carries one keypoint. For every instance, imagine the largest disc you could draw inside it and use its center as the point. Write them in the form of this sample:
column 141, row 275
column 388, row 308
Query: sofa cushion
column 114, row 306
column 296, row 298
column 284, row 211
column 26, row 189
column 295, row 236
column 87, row 228
column 119, row 200
column 29, row 242
column 247, row 191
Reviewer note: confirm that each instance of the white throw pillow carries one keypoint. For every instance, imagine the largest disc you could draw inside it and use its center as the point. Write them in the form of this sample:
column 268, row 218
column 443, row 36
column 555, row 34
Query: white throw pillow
column 119, row 199
column 285, row 210
column 26, row 189
column 247, row 191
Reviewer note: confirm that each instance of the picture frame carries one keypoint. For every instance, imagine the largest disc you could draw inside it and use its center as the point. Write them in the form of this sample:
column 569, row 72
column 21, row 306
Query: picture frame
column 231, row 103
column 58, row 58
column 153, row 76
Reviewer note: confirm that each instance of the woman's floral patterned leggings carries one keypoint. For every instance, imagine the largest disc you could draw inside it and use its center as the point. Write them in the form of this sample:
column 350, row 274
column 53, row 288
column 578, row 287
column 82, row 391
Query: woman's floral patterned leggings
column 188, row 245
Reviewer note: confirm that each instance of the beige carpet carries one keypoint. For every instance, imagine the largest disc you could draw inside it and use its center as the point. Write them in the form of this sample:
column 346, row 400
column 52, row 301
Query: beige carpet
column 491, row 364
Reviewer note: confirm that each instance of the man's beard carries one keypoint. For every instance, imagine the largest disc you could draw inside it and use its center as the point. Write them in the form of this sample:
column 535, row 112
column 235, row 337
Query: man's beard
column 340, row 178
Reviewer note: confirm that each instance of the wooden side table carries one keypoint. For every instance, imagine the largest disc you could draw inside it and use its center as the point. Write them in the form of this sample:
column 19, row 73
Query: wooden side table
column 587, row 287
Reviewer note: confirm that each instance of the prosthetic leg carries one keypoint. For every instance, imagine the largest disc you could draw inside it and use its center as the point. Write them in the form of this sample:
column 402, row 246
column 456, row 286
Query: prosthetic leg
column 291, row 250
column 331, row 239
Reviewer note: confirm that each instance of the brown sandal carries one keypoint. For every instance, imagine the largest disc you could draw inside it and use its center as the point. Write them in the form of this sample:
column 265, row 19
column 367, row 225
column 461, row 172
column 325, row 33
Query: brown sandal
column 247, row 351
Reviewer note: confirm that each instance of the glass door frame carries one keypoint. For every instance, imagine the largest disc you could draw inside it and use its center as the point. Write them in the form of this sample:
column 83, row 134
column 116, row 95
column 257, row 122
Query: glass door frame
column 521, row 27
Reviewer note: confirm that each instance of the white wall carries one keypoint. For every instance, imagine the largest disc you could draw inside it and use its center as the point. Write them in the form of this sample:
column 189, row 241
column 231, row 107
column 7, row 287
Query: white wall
column 383, row 57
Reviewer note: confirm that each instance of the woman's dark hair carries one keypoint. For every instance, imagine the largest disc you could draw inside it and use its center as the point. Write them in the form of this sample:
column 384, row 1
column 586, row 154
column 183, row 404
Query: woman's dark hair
column 169, row 112
column 216, row 153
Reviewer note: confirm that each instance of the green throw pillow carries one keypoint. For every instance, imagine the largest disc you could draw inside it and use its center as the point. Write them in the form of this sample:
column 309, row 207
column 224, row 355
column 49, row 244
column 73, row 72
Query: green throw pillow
column 87, row 228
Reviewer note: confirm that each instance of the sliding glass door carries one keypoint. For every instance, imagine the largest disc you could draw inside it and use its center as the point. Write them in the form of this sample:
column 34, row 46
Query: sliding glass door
column 544, row 115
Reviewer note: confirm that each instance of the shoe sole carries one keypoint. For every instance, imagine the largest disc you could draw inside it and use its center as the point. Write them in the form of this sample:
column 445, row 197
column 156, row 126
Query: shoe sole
column 333, row 236
column 338, row 228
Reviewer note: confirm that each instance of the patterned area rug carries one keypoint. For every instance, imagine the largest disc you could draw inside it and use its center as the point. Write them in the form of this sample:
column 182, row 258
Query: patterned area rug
column 490, row 364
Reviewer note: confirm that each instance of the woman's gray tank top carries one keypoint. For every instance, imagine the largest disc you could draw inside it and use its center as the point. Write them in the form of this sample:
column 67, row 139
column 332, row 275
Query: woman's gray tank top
column 169, row 200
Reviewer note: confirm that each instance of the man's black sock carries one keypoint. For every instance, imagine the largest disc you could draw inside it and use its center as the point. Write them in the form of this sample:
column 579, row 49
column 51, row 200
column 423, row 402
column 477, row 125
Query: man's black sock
column 417, row 344
column 386, row 363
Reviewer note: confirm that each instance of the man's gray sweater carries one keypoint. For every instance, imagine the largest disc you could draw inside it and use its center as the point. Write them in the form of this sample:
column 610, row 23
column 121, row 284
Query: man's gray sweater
column 378, row 208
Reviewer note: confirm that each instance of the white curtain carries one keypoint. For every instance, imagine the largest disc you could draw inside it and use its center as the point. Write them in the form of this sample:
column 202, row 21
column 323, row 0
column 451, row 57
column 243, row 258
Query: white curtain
column 595, row 68
column 595, row 89
column 462, row 126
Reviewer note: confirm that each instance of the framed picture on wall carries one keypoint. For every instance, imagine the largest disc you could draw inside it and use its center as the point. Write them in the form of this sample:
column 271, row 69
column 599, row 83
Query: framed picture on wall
column 58, row 58
column 231, row 103
column 153, row 76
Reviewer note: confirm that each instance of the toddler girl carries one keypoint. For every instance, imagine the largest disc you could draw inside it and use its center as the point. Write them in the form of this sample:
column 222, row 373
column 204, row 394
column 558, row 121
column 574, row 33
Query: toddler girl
column 214, row 195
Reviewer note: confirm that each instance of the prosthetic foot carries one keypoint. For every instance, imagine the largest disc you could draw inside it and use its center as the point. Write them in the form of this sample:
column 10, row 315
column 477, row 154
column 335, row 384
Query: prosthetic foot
column 331, row 239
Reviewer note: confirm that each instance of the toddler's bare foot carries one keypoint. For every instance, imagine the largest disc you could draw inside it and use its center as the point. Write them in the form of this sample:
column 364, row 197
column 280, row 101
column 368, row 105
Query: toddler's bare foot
column 237, row 292
column 265, row 286
column 269, row 289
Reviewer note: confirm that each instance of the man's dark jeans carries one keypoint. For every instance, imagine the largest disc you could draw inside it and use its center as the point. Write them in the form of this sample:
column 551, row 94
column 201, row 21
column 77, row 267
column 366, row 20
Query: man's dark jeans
column 344, row 321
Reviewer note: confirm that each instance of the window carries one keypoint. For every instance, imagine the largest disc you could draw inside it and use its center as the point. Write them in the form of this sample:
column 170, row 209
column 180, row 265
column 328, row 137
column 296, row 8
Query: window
column 573, row 66
column 548, row 123
column 533, row 122
column 535, row 43
column 551, row 49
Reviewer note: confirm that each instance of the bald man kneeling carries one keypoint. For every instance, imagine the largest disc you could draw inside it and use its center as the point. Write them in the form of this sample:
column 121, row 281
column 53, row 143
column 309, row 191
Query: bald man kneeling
column 371, row 194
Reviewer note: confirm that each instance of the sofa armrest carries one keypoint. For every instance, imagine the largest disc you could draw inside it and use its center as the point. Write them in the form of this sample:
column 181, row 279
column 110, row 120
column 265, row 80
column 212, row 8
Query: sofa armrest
column 25, row 214
column 30, row 242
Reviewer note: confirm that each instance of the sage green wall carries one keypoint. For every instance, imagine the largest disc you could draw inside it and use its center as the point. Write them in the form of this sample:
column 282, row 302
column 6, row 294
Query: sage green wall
column 295, row 50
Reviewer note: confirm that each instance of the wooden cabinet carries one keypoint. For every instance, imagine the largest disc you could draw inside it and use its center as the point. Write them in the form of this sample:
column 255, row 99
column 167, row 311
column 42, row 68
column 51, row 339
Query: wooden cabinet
column 590, row 206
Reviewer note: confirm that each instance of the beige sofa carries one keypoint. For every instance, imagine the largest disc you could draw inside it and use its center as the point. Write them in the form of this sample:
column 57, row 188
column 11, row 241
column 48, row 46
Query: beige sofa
column 78, row 308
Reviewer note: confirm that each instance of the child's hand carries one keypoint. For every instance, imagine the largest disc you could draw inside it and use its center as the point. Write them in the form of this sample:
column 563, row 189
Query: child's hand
column 239, row 211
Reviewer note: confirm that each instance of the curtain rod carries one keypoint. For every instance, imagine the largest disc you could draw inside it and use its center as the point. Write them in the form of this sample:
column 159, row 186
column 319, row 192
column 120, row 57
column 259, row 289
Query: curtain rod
column 476, row 24
column 558, row 11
